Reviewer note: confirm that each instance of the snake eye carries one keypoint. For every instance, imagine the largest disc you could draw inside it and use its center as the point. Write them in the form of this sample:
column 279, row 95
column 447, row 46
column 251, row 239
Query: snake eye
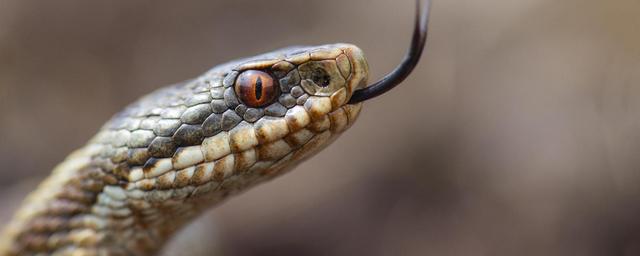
column 255, row 88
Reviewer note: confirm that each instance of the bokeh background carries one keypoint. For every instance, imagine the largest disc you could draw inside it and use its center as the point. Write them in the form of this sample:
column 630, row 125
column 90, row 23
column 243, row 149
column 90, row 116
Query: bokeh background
column 518, row 133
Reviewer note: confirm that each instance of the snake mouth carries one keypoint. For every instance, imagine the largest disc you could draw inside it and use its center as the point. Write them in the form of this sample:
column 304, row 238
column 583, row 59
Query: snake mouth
column 359, row 74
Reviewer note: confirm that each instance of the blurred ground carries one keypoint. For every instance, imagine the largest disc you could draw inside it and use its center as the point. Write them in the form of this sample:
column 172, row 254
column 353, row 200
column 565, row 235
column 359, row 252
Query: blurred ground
column 518, row 134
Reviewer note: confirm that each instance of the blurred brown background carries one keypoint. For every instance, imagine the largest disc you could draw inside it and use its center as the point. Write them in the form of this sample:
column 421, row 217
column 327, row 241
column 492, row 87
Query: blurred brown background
column 518, row 134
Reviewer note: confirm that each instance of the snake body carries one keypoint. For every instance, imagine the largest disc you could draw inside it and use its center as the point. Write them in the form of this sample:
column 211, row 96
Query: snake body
column 185, row 148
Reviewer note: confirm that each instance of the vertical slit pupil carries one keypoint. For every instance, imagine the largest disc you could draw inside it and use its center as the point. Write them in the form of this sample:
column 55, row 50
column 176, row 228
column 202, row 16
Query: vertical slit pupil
column 258, row 88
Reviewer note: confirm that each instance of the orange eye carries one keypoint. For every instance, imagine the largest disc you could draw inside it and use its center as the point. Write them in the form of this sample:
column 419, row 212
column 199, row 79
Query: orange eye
column 255, row 88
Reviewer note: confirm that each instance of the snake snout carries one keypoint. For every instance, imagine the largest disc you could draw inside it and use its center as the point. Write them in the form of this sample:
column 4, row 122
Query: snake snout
column 359, row 74
column 334, row 71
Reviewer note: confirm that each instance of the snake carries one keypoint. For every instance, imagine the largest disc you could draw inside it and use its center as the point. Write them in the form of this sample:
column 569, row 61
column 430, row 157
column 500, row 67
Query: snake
column 187, row 147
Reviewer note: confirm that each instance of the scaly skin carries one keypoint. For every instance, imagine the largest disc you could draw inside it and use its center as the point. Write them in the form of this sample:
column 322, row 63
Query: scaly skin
column 185, row 148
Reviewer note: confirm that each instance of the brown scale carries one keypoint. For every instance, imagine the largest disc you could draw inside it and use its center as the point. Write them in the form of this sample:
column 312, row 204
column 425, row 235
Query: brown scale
column 138, row 156
column 47, row 224
column 188, row 135
column 161, row 147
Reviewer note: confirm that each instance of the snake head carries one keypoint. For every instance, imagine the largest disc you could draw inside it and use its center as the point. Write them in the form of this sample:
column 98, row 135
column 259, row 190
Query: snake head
column 291, row 101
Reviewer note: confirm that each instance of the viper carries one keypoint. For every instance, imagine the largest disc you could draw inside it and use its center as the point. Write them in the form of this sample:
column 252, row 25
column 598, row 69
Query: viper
column 187, row 147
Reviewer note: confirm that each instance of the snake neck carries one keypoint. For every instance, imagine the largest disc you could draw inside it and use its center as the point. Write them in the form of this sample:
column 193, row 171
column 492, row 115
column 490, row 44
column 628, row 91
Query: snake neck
column 89, row 206
column 82, row 209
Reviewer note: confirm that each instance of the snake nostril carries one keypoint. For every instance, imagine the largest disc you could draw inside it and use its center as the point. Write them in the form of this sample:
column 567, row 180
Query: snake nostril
column 320, row 77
